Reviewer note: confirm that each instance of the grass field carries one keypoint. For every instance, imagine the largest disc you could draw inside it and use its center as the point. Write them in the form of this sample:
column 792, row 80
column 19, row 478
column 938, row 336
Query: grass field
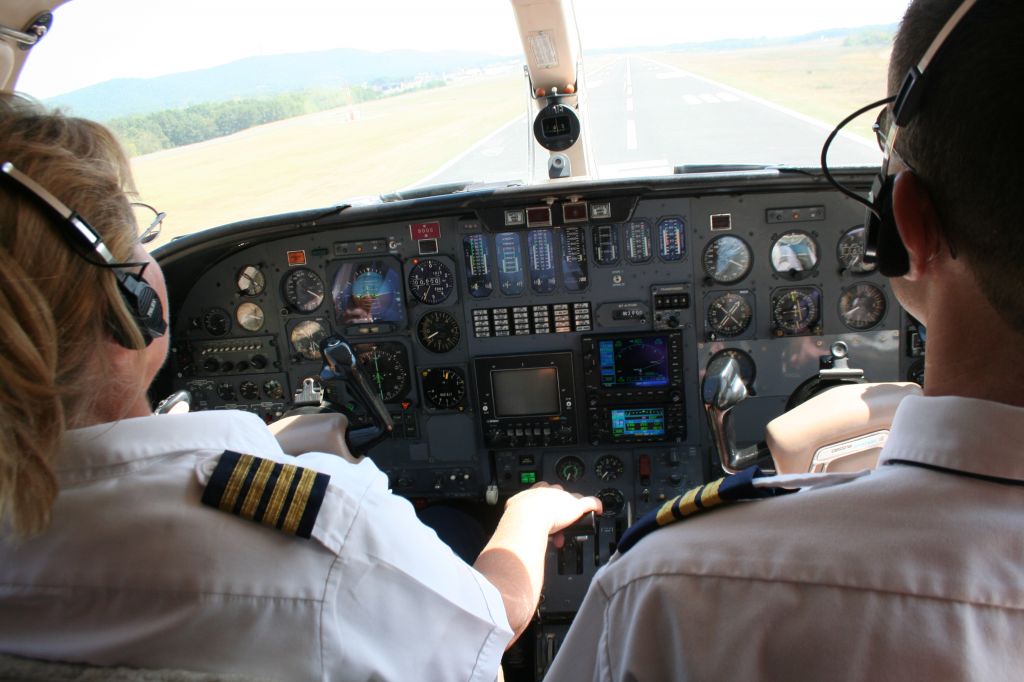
column 823, row 80
column 384, row 145
column 321, row 159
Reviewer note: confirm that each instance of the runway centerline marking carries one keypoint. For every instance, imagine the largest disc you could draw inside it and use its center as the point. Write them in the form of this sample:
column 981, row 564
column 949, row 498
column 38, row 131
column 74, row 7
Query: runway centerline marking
column 631, row 134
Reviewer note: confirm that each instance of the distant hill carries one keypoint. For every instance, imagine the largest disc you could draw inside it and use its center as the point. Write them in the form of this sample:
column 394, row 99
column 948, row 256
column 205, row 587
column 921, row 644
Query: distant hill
column 861, row 35
column 257, row 76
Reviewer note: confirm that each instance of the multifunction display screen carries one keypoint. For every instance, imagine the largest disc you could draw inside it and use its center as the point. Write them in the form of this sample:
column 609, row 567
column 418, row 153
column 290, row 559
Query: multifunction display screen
column 638, row 422
column 634, row 362
column 523, row 392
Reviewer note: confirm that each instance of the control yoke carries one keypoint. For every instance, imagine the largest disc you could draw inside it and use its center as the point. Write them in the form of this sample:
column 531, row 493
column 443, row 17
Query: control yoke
column 340, row 364
column 722, row 390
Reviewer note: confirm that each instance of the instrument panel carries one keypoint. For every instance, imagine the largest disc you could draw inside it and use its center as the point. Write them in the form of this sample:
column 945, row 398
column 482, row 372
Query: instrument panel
column 518, row 338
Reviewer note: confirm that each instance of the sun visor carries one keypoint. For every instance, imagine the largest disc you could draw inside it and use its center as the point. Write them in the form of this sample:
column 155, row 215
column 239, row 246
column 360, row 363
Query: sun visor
column 548, row 33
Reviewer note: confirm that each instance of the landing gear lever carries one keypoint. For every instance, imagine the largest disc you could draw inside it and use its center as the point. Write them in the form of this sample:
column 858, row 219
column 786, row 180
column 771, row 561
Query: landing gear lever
column 722, row 390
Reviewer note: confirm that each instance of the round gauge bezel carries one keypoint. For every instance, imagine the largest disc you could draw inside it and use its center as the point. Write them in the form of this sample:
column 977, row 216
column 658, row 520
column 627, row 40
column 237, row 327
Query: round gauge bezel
column 863, row 268
column 241, row 317
column 802, row 272
column 435, row 293
column 877, row 320
column 307, row 353
column 430, row 392
column 712, row 271
column 397, row 357
column 566, row 460
column 601, row 465
column 258, row 282
column 222, row 316
column 810, row 326
column 718, row 330
column 273, row 389
column 449, row 343
column 291, row 296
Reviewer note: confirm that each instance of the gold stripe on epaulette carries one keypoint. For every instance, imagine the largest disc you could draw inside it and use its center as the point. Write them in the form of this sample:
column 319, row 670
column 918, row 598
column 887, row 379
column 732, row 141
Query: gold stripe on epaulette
column 280, row 494
column 259, row 484
column 665, row 513
column 234, row 486
column 688, row 505
column 297, row 507
column 710, row 498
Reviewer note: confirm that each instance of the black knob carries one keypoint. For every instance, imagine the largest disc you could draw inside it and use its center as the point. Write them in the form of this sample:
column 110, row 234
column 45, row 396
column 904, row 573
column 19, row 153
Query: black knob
column 211, row 364
column 258, row 361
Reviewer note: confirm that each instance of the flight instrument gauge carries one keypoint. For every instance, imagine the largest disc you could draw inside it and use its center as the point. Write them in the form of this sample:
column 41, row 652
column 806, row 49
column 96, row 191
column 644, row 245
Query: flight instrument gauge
column 251, row 281
column 306, row 337
column 274, row 389
column 862, row 306
column 850, row 250
column 249, row 390
column 250, row 316
column 387, row 365
column 303, row 290
column 609, row 468
column 794, row 253
column 729, row 315
column 569, row 468
column 727, row 259
column 444, row 387
column 216, row 322
column 431, row 281
column 796, row 312
column 438, row 331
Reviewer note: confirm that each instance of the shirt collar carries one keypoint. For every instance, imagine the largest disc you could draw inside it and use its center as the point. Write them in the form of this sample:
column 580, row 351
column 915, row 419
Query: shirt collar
column 117, row 448
column 967, row 435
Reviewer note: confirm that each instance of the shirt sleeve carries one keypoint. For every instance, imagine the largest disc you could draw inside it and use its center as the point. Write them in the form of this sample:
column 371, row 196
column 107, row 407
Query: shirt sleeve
column 399, row 604
column 584, row 653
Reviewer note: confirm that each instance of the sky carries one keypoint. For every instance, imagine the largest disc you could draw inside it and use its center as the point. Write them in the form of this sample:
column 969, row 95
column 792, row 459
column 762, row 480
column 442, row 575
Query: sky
column 107, row 39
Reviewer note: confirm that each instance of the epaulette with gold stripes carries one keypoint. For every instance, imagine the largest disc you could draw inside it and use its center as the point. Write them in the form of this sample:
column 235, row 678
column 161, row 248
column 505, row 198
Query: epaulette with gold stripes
column 733, row 488
column 283, row 496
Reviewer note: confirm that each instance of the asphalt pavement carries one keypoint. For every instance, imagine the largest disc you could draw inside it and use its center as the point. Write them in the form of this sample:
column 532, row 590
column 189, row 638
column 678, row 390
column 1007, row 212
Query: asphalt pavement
column 647, row 117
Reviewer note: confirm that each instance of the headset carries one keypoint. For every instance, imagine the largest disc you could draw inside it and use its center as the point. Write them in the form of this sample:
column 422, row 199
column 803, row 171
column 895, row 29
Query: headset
column 884, row 245
column 142, row 301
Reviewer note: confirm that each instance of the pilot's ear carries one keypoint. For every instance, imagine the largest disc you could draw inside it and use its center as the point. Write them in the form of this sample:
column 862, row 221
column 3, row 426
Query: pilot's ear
column 917, row 222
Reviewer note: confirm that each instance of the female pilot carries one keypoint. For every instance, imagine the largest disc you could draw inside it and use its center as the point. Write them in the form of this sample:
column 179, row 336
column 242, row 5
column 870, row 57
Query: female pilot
column 108, row 554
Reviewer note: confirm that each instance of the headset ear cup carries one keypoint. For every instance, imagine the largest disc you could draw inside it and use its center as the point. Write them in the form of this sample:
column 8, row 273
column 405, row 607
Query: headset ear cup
column 145, row 307
column 893, row 260
column 884, row 245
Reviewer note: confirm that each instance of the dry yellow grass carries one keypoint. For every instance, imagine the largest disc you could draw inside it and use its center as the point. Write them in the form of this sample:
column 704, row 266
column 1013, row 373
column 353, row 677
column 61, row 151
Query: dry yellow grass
column 321, row 159
column 823, row 80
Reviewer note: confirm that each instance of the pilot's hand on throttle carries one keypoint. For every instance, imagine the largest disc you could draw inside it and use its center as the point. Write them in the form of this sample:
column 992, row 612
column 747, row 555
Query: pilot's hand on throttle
column 552, row 505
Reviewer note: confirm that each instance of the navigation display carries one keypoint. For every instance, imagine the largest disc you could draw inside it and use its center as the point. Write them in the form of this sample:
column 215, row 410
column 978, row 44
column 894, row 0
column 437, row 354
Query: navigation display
column 638, row 422
column 368, row 291
column 634, row 362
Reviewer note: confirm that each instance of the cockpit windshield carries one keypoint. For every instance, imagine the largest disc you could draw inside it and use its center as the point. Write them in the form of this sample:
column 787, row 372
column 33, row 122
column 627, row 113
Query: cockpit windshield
column 245, row 108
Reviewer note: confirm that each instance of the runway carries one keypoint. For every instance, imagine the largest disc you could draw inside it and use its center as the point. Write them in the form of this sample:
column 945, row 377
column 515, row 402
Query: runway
column 647, row 117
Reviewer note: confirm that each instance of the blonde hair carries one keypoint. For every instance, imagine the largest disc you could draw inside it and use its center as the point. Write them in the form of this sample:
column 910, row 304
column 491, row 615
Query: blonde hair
column 56, row 309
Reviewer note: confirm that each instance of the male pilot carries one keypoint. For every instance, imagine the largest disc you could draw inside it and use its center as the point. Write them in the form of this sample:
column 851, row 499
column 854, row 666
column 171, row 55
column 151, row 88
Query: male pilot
column 915, row 571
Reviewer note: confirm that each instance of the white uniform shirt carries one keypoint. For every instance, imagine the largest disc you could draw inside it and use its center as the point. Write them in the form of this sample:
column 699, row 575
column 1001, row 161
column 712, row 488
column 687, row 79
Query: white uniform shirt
column 911, row 573
column 135, row 571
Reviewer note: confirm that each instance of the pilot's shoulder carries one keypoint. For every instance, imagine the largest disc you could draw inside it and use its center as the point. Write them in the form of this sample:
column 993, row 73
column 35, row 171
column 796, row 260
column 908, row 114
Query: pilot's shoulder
column 308, row 497
column 745, row 486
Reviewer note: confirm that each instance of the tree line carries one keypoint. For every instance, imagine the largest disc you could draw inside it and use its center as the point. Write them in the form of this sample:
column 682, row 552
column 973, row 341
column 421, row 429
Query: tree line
column 146, row 133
